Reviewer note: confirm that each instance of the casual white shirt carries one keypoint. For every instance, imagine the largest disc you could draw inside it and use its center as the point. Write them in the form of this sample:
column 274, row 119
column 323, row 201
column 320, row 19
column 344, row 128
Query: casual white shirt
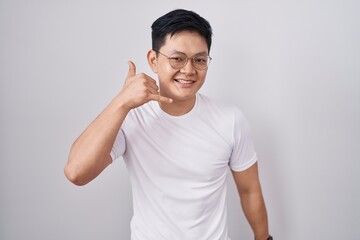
column 178, row 166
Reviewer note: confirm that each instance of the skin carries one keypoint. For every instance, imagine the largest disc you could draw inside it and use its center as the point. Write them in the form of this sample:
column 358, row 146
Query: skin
column 183, row 95
column 252, row 201
column 90, row 153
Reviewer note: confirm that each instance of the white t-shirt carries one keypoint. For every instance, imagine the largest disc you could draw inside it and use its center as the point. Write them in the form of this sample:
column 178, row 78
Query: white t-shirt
column 178, row 167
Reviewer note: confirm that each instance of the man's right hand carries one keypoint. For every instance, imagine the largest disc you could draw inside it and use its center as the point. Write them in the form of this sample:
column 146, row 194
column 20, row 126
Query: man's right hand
column 139, row 89
column 85, row 163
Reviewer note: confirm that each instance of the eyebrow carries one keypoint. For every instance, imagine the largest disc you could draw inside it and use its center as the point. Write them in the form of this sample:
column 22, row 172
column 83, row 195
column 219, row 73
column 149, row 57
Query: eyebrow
column 197, row 54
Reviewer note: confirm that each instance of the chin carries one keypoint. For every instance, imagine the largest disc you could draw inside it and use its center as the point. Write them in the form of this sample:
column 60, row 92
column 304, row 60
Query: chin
column 183, row 97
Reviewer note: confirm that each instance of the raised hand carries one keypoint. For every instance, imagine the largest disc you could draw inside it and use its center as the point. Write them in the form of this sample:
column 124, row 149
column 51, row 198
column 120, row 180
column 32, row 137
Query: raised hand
column 139, row 89
column 85, row 163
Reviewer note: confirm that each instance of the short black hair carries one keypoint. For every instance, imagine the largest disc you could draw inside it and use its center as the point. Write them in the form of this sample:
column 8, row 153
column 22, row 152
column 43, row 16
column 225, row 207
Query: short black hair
column 176, row 21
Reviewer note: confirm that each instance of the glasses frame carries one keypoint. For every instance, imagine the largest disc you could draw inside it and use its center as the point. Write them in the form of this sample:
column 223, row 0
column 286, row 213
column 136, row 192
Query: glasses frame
column 186, row 62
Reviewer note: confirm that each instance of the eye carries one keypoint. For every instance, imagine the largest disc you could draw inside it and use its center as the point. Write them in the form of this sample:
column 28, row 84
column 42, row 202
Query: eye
column 200, row 59
column 177, row 58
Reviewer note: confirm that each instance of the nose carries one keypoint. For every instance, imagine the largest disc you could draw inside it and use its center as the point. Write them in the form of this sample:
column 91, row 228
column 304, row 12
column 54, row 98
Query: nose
column 189, row 67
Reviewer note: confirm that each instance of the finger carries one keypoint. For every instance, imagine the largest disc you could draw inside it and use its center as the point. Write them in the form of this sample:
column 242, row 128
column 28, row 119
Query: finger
column 153, row 86
column 157, row 97
column 132, row 70
column 153, row 91
column 151, row 83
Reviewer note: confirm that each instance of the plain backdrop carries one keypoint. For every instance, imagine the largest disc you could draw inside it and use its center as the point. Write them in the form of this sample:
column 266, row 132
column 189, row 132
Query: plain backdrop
column 292, row 67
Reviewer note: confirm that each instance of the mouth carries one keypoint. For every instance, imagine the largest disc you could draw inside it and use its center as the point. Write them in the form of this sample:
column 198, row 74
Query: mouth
column 184, row 82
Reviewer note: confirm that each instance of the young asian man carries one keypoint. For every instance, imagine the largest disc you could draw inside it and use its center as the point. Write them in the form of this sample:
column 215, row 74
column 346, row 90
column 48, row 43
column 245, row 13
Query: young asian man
column 178, row 144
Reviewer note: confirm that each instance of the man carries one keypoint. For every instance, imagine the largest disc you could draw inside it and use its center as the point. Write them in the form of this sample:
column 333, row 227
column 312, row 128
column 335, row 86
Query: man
column 177, row 144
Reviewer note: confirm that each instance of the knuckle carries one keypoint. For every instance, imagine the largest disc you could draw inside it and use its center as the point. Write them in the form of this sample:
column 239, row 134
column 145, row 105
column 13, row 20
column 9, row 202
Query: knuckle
column 142, row 75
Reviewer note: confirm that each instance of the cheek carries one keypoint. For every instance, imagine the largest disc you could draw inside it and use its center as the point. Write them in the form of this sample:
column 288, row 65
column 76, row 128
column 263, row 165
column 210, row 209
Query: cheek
column 166, row 72
column 203, row 75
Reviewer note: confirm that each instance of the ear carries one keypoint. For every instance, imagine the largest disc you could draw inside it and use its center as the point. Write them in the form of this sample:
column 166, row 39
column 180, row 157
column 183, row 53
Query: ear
column 152, row 60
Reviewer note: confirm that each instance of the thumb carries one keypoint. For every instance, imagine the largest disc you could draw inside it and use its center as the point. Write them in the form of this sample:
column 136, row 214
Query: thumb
column 132, row 70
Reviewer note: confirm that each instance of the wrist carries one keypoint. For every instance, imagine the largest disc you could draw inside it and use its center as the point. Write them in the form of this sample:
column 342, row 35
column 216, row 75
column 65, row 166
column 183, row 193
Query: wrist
column 269, row 237
column 119, row 103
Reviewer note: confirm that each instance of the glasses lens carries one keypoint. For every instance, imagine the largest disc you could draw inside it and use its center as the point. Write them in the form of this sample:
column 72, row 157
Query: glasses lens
column 201, row 62
column 178, row 60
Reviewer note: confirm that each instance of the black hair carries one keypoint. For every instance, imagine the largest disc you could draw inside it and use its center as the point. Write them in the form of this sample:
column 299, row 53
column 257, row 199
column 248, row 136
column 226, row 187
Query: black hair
column 176, row 21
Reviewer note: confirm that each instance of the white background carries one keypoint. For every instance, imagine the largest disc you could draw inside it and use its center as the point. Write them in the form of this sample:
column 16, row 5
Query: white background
column 293, row 67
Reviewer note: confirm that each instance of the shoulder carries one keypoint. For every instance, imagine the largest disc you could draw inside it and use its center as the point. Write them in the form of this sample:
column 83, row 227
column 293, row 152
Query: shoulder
column 227, row 115
column 219, row 108
column 142, row 115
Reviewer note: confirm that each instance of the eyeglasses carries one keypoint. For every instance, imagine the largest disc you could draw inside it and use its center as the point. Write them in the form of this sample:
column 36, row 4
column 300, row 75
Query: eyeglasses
column 179, row 60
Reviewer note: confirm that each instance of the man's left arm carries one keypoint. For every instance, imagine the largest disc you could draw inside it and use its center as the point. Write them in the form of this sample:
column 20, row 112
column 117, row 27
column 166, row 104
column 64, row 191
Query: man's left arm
column 252, row 201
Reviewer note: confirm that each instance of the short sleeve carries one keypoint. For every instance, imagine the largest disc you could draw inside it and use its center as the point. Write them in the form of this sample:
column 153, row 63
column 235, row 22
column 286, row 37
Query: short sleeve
column 119, row 146
column 243, row 153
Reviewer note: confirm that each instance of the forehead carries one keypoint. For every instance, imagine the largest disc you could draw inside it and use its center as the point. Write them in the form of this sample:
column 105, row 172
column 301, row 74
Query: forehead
column 185, row 41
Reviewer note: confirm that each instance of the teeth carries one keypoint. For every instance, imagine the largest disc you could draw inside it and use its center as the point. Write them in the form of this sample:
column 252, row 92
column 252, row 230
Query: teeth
column 183, row 81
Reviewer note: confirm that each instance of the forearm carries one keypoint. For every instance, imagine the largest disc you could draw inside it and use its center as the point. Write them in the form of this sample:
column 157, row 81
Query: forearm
column 254, row 209
column 90, row 153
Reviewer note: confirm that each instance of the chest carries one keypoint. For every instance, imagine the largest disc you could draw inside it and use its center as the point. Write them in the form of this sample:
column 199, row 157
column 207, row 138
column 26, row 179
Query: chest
column 197, row 150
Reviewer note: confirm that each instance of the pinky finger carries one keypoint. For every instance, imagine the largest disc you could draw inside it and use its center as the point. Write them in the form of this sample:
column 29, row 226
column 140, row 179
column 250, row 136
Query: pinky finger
column 157, row 97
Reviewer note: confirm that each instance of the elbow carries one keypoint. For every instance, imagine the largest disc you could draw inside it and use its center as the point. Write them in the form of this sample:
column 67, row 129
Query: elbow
column 73, row 175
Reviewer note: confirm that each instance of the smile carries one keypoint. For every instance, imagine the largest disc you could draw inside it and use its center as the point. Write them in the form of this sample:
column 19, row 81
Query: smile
column 182, row 81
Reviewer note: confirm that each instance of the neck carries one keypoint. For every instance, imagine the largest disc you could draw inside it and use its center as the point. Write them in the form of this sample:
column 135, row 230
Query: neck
column 178, row 108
